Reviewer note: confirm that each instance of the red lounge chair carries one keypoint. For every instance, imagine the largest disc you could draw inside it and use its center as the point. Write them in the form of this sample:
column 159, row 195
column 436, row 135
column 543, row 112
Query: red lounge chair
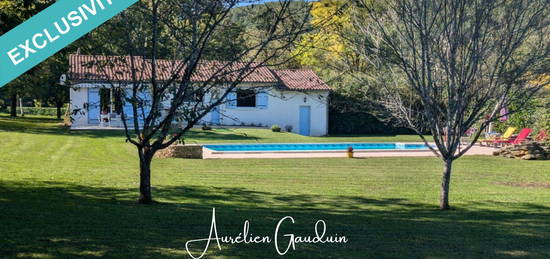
column 522, row 136
column 541, row 136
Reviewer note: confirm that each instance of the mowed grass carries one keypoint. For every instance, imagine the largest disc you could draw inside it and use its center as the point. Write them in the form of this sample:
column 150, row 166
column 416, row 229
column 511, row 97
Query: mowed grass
column 72, row 194
column 43, row 125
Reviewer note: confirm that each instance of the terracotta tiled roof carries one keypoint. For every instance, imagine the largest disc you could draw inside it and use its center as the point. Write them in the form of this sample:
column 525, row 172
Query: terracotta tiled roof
column 217, row 69
column 301, row 79
column 81, row 68
column 115, row 68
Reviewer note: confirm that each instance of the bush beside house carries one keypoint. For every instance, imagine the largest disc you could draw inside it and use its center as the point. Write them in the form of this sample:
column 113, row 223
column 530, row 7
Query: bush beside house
column 276, row 128
column 360, row 123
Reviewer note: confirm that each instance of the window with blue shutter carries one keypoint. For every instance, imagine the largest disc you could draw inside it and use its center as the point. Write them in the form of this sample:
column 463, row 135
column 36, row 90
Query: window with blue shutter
column 246, row 98
column 231, row 100
column 261, row 100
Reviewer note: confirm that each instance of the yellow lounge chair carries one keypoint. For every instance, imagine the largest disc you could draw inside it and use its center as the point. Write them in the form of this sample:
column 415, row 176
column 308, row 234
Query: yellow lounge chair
column 506, row 136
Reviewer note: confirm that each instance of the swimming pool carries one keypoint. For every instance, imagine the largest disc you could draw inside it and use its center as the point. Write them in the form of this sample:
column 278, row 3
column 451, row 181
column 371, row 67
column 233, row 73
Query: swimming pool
column 314, row 147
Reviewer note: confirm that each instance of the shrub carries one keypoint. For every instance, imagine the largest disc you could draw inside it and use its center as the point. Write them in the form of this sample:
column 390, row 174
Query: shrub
column 43, row 111
column 275, row 128
column 288, row 128
column 206, row 127
column 523, row 118
column 542, row 113
column 534, row 114
column 347, row 114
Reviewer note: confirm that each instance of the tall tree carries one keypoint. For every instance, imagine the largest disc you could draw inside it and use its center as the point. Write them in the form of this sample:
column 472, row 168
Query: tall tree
column 46, row 81
column 329, row 50
column 325, row 47
column 464, row 59
column 175, row 56
column 12, row 13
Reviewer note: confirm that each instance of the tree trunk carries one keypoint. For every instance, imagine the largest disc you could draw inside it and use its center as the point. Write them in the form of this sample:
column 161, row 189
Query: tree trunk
column 13, row 105
column 445, row 184
column 145, row 158
column 59, row 105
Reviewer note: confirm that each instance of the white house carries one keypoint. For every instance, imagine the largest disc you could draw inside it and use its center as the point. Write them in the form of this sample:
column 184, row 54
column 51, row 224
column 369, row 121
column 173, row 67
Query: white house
column 296, row 99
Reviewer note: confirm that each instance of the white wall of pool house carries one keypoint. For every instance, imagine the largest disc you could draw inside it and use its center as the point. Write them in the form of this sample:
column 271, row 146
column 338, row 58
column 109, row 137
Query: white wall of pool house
column 283, row 108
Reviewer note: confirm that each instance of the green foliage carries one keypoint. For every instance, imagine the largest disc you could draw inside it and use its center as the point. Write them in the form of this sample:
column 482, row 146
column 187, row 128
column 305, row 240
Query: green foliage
column 42, row 111
column 14, row 12
column 351, row 113
column 325, row 46
column 254, row 20
column 542, row 113
column 360, row 123
column 521, row 119
column 276, row 128
column 39, row 83
column 329, row 49
column 288, row 128
column 534, row 114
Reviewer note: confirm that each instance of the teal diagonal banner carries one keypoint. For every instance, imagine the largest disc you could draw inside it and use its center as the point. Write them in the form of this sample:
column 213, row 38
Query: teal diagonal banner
column 49, row 31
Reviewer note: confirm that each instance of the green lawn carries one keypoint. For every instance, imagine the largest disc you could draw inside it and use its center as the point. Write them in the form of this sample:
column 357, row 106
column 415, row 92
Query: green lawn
column 43, row 125
column 68, row 194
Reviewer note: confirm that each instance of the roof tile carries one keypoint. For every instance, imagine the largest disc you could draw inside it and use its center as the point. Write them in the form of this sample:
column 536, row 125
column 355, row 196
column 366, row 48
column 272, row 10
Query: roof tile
column 301, row 79
column 115, row 68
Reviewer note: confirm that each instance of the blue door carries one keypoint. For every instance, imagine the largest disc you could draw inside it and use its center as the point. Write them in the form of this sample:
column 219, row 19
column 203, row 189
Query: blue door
column 305, row 120
column 94, row 103
column 215, row 119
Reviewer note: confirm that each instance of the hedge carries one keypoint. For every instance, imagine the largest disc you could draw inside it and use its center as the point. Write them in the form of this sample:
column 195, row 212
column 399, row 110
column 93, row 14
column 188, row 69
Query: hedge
column 36, row 111
column 347, row 116
column 361, row 123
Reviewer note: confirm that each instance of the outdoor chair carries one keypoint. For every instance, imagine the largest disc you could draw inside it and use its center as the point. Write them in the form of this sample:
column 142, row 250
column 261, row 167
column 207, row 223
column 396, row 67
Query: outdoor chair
column 103, row 118
column 522, row 136
column 506, row 136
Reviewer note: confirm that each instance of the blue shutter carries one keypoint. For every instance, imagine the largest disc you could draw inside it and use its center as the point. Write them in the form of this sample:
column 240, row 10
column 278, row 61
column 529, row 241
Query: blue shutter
column 128, row 110
column 94, row 103
column 261, row 100
column 231, row 101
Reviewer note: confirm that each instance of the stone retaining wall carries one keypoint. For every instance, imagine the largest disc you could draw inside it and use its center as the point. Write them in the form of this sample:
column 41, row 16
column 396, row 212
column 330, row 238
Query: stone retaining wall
column 527, row 151
column 181, row 151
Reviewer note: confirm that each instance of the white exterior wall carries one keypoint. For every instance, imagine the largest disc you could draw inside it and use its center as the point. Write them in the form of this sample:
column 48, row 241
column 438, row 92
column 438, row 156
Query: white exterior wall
column 283, row 109
column 79, row 96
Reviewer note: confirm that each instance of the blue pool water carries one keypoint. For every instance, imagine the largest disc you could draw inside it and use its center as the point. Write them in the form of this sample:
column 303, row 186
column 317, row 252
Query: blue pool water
column 316, row 147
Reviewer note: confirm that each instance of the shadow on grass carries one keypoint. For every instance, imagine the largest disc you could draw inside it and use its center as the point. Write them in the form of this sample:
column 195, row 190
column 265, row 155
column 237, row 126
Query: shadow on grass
column 31, row 118
column 64, row 220
column 61, row 130
column 47, row 126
